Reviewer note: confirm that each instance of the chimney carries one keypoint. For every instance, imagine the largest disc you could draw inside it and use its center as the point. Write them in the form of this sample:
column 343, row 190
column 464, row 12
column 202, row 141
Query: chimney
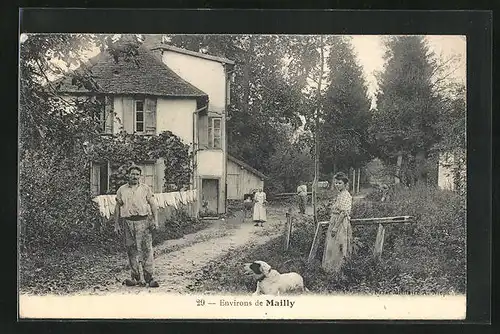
column 151, row 41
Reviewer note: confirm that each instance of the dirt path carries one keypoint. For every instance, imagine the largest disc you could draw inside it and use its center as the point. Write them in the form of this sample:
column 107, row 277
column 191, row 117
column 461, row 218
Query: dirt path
column 178, row 261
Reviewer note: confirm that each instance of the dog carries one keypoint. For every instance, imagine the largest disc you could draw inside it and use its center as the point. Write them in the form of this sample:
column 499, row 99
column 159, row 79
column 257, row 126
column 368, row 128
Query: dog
column 271, row 282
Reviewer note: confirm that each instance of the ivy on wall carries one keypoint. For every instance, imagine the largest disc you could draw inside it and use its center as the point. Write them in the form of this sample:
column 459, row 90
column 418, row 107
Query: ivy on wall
column 125, row 149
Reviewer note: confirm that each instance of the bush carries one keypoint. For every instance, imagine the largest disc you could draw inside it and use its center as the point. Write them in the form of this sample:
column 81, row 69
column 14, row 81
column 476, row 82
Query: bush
column 55, row 203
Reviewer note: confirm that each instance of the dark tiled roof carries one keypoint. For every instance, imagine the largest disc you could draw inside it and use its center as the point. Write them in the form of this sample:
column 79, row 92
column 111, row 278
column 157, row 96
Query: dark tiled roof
column 147, row 75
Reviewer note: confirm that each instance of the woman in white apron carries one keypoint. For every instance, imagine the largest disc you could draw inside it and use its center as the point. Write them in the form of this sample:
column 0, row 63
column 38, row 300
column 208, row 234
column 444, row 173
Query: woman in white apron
column 259, row 209
column 338, row 243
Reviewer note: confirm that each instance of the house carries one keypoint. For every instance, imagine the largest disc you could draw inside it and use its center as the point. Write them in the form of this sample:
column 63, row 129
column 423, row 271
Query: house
column 242, row 179
column 167, row 89
column 447, row 164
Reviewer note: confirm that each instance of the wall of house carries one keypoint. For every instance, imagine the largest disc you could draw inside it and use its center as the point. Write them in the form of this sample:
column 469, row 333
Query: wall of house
column 241, row 181
column 176, row 115
column 120, row 103
column 207, row 75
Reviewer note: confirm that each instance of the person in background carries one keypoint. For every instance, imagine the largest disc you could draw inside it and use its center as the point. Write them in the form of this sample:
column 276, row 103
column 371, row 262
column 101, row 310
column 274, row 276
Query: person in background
column 259, row 209
column 302, row 197
column 136, row 207
column 338, row 243
column 247, row 205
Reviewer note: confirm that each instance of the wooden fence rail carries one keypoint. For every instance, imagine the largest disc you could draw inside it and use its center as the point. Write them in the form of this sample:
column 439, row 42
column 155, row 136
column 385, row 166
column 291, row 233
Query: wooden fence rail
column 379, row 241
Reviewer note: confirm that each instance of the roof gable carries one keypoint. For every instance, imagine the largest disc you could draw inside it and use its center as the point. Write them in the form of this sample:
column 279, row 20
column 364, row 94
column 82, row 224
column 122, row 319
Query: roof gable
column 146, row 75
column 246, row 166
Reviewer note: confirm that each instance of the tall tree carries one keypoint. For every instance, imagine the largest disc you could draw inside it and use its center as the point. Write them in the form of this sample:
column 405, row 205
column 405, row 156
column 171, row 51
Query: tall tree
column 347, row 115
column 403, row 124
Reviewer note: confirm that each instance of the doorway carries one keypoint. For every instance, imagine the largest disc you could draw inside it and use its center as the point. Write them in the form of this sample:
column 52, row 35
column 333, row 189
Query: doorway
column 209, row 197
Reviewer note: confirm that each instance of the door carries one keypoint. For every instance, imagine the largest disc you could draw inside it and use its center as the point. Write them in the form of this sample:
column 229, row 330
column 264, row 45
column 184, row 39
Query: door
column 209, row 197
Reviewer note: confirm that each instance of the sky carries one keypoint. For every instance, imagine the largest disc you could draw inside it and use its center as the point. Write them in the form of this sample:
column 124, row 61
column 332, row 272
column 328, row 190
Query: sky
column 369, row 49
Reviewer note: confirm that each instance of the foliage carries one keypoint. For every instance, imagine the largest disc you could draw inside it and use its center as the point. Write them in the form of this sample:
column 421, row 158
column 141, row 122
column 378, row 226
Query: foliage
column 403, row 124
column 428, row 258
column 55, row 203
column 451, row 127
column 122, row 150
column 346, row 115
column 290, row 164
column 178, row 225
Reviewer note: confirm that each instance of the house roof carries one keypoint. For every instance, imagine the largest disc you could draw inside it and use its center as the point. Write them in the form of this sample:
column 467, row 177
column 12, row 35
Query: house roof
column 192, row 53
column 147, row 75
column 246, row 166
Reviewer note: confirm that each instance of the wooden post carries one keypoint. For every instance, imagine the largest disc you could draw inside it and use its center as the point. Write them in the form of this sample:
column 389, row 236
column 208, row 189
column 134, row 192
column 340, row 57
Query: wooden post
column 379, row 241
column 288, row 229
column 315, row 244
column 397, row 178
column 354, row 180
column 359, row 174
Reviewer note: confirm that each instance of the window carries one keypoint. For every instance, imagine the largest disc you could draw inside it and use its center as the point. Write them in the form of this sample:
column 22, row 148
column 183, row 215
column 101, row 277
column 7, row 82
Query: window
column 98, row 107
column 100, row 179
column 215, row 133
column 139, row 116
column 145, row 116
column 102, row 110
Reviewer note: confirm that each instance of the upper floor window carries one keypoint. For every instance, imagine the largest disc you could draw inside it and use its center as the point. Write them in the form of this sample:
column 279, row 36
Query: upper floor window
column 103, row 112
column 215, row 132
column 145, row 116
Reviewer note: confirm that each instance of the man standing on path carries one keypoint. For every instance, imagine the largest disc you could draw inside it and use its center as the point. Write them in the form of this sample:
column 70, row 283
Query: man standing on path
column 302, row 197
column 135, row 206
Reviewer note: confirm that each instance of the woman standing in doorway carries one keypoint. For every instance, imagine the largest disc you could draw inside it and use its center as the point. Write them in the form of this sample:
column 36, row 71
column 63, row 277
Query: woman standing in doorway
column 338, row 243
column 259, row 210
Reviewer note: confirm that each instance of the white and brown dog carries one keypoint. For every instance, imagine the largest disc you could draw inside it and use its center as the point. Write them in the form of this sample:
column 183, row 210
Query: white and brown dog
column 271, row 282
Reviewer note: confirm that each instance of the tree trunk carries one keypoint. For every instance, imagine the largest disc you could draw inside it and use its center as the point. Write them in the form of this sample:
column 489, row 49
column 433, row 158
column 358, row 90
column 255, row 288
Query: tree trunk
column 359, row 177
column 397, row 178
column 420, row 166
column 246, row 75
column 354, row 180
column 316, row 137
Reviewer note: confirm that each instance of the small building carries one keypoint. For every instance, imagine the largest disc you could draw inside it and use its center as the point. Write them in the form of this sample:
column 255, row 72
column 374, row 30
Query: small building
column 446, row 175
column 242, row 178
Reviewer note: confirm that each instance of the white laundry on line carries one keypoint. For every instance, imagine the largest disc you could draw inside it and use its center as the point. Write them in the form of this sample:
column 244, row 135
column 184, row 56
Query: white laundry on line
column 106, row 203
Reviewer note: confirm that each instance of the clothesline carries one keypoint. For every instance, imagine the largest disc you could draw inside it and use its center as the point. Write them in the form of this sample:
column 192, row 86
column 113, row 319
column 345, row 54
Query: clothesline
column 107, row 203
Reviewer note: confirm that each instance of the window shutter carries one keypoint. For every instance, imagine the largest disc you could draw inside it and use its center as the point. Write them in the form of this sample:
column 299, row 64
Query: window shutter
column 150, row 116
column 109, row 114
column 203, row 132
column 95, row 178
column 210, row 134
column 128, row 114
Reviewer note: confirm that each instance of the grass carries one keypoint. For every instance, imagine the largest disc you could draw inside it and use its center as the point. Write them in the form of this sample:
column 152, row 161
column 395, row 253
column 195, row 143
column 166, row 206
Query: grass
column 427, row 258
